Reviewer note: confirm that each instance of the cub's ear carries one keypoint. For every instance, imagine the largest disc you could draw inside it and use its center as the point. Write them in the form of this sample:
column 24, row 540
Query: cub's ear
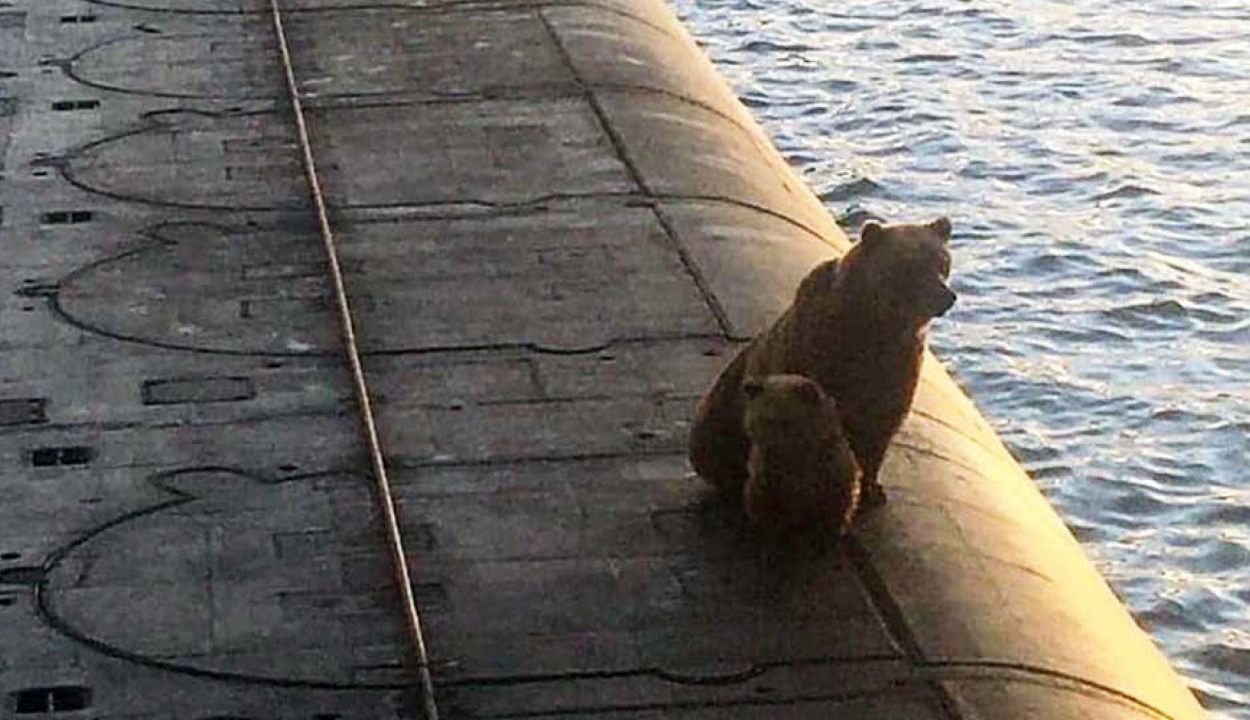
column 942, row 226
column 752, row 387
column 811, row 393
column 871, row 233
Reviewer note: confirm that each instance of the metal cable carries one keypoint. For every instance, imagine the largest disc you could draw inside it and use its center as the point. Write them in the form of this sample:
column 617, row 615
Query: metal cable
column 382, row 481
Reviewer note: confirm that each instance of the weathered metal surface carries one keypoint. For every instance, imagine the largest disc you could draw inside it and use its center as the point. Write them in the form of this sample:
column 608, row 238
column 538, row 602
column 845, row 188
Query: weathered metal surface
column 424, row 284
column 384, row 51
column 556, row 225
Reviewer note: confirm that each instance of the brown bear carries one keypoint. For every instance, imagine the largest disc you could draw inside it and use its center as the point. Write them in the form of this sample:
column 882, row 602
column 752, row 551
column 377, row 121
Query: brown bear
column 857, row 327
column 800, row 470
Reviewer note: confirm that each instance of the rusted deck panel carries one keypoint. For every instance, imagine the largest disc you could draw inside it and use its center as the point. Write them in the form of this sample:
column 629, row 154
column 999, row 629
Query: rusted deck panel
column 556, row 225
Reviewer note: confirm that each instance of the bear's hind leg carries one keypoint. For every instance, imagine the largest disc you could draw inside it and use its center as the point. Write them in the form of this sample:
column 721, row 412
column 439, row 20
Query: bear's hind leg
column 718, row 445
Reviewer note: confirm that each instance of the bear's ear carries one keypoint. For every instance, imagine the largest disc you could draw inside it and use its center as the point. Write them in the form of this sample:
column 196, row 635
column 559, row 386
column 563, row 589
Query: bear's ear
column 942, row 226
column 870, row 233
column 752, row 387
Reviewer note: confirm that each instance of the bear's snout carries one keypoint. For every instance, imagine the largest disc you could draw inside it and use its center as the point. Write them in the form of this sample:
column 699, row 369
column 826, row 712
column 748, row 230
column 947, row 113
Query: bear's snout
column 943, row 299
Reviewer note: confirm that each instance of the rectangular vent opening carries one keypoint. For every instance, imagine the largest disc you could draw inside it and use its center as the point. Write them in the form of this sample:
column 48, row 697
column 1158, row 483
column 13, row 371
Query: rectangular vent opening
column 74, row 105
column 197, row 390
column 251, row 145
column 67, row 217
column 54, row 456
column 278, row 308
column 421, row 536
column 77, row 19
column 43, row 700
column 295, row 270
column 257, row 173
column 22, row 576
column 432, row 597
column 12, row 19
column 24, row 411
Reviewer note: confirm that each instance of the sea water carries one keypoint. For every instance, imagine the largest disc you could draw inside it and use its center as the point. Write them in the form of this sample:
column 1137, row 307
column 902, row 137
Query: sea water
column 1095, row 159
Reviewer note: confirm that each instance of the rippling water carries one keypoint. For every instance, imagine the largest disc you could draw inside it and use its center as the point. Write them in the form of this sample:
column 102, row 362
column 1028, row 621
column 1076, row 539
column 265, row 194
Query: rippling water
column 1095, row 156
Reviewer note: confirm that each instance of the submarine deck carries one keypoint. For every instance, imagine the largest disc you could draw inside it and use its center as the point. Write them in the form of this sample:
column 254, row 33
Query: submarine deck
column 555, row 225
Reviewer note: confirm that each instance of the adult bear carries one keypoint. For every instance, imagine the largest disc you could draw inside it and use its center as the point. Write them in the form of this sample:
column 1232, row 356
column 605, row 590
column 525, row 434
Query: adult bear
column 857, row 327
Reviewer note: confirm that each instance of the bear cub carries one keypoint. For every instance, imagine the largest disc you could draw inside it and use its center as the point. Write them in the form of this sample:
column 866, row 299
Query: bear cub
column 857, row 327
column 800, row 469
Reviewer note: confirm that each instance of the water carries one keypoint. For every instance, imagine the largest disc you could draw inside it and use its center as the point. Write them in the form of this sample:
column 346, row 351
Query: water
column 1095, row 157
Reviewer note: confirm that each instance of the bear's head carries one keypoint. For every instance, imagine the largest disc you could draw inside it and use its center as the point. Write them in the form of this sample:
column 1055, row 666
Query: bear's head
column 897, row 274
column 784, row 409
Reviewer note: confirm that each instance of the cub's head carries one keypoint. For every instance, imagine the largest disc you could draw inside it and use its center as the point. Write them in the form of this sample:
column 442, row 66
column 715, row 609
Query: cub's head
column 901, row 271
column 784, row 409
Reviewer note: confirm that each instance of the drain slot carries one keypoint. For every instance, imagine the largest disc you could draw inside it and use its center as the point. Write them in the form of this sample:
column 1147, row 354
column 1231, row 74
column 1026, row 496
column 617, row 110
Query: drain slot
column 12, row 19
column 77, row 19
column 256, row 173
column 25, row 411
column 44, row 700
column 294, row 270
column 278, row 308
column 75, row 105
column 35, row 289
column 54, row 456
column 422, row 535
column 22, row 576
column 197, row 390
column 67, row 217
column 433, row 597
